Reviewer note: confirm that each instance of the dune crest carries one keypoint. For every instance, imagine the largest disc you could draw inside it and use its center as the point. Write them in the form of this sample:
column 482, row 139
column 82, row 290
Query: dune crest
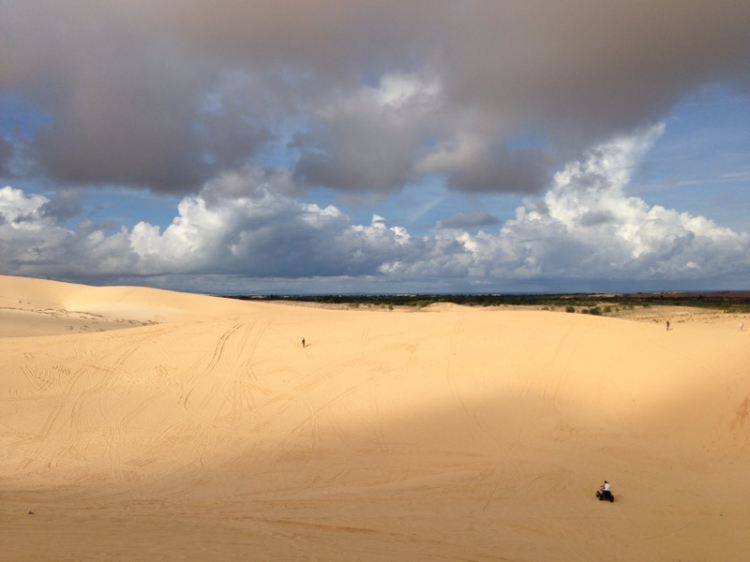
column 451, row 433
column 34, row 307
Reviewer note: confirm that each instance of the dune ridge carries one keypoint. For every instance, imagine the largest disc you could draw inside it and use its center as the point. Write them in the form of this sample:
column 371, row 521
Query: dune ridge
column 206, row 431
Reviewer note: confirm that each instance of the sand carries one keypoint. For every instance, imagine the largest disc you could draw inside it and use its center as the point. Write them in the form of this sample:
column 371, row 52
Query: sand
column 138, row 424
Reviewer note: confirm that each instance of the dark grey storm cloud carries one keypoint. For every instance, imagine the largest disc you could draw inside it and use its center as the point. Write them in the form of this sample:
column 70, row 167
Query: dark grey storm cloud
column 520, row 171
column 470, row 220
column 66, row 204
column 6, row 153
column 168, row 94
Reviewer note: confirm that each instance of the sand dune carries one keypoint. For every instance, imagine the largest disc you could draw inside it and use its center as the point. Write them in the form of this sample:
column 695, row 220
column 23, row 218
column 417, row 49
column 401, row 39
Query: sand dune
column 204, row 431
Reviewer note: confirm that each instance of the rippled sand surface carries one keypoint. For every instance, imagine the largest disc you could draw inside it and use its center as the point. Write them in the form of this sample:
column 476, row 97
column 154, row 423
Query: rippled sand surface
column 138, row 424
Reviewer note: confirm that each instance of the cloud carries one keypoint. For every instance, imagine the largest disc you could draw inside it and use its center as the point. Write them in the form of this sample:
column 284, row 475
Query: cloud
column 364, row 141
column 586, row 227
column 462, row 221
column 66, row 205
column 242, row 225
column 472, row 163
column 239, row 224
column 351, row 96
column 6, row 153
column 265, row 234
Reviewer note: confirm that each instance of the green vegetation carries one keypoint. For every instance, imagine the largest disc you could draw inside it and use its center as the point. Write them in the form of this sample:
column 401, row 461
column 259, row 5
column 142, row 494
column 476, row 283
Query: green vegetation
column 588, row 303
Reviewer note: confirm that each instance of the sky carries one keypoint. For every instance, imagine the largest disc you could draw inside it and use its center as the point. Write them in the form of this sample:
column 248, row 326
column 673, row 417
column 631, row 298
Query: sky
column 344, row 146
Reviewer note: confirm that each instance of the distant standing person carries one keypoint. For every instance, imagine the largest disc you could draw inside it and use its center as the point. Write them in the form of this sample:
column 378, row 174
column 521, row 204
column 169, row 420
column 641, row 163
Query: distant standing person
column 742, row 325
column 667, row 325
column 303, row 342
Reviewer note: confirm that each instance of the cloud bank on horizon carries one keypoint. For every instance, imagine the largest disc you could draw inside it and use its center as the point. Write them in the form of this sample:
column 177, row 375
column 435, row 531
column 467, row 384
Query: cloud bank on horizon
column 265, row 120
column 584, row 227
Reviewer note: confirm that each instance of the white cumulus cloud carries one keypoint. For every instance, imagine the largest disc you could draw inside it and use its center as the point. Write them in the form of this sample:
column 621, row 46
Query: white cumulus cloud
column 244, row 225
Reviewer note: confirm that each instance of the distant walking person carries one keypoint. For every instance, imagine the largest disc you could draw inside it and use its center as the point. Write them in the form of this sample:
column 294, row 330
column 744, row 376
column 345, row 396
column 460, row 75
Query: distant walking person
column 667, row 325
column 742, row 325
column 303, row 342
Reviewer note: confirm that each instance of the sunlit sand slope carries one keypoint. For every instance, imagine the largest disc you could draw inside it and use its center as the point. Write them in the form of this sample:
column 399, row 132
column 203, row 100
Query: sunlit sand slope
column 444, row 434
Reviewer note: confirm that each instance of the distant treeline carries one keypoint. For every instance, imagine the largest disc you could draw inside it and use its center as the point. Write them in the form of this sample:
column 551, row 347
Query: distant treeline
column 726, row 301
